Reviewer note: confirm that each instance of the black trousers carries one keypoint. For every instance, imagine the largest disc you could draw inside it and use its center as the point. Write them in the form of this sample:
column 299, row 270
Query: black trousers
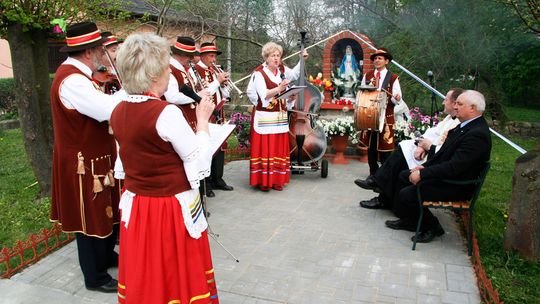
column 387, row 175
column 407, row 206
column 216, row 169
column 96, row 255
column 374, row 155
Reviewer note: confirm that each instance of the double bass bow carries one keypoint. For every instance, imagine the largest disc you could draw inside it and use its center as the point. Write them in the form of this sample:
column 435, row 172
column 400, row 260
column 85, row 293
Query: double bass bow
column 307, row 141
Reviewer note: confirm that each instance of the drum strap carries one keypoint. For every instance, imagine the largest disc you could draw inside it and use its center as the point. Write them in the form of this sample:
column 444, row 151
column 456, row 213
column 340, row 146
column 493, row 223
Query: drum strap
column 386, row 80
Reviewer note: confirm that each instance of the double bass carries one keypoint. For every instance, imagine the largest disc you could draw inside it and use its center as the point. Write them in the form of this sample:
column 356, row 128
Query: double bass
column 307, row 140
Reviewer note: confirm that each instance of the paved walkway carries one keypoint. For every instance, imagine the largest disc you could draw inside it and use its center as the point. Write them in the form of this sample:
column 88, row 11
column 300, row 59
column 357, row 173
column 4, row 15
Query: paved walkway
column 310, row 243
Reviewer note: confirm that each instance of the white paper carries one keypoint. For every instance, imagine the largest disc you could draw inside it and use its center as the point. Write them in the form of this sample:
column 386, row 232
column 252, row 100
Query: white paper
column 290, row 91
column 219, row 134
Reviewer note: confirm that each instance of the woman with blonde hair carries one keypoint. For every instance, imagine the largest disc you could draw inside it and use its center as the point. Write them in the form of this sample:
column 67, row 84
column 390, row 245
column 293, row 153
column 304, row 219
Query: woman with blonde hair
column 164, row 251
column 269, row 161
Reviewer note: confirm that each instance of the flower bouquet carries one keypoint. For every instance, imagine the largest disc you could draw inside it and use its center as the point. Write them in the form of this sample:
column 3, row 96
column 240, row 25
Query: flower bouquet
column 243, row 128
column 322, row 84
column 343, row 126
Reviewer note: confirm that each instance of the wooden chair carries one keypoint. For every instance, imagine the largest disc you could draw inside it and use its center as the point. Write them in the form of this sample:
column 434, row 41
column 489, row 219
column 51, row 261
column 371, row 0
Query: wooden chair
column 463, row 206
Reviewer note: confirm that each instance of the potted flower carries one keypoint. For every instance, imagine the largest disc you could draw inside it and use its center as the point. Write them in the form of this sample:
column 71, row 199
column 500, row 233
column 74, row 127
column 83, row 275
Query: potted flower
column 339, row 130
column 415, row 126
column 322, row 84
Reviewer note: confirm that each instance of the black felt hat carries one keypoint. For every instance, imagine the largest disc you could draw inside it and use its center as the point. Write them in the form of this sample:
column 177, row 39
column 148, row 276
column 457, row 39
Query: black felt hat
column 111, row 39
column 81, row 36
column 185, row 46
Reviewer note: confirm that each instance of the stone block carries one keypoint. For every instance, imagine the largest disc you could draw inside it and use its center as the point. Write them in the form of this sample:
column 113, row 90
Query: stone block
column 9, row 124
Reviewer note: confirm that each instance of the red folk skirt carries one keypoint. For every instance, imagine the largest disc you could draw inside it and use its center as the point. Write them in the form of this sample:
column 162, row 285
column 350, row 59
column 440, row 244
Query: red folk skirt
column 159, row 261
column 269, row 161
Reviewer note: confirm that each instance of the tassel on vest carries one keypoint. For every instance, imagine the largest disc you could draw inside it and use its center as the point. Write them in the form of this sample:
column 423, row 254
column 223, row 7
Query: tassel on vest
column 80, row 164
column 110, row 177
column 97, row 184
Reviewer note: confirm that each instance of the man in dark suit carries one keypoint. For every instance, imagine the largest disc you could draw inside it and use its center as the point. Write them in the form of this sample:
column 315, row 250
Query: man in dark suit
column 408, row 155
column 462, row 156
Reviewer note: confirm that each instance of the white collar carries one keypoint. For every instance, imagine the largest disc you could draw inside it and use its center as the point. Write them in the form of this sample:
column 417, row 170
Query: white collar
column 79, row 65
column 138, row 98
column 383, row 71
column 175, row 63
column 202, row 65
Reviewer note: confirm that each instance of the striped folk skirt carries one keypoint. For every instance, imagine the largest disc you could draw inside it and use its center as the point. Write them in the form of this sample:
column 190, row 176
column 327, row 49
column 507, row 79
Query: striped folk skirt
column 159, row 261
column 269, row 161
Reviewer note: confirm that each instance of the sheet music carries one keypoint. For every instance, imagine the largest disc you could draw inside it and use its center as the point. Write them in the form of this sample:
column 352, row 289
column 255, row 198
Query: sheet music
column 219, row 134
column 290, row 91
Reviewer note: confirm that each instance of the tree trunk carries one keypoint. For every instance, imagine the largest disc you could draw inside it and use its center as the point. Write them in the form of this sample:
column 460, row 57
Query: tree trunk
column 32, row 87
column 523, row 227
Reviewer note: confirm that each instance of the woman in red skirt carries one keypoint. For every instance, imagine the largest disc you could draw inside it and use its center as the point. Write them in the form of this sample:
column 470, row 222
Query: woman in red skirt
column 164, row 251
column 269, row 160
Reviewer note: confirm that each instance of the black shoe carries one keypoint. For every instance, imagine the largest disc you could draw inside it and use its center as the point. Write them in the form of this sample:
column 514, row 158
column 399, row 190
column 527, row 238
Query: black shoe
column 401, row 224
column 109, row 287
column 368, row 184
column 222, row 185
column 210, row 193
column 429, row 235
column 372, row 204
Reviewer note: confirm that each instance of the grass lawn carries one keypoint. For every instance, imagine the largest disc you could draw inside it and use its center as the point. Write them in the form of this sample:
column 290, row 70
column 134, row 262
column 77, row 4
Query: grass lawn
column 20, row 212
column 516, row 279
column 522, row 114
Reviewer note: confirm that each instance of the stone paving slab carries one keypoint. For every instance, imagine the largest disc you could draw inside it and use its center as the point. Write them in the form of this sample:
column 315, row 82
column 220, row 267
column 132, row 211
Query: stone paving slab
column 310, row 243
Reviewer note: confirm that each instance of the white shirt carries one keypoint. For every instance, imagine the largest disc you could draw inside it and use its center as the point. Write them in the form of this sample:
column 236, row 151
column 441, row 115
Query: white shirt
column 173, row 94
column 257, row 86
column 396, row 88
column 437, row 136
column 81, row 94
column 193, row 149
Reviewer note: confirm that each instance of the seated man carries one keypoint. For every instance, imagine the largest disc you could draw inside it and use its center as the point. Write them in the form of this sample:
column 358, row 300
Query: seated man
column 462, row 156
column 410, row 153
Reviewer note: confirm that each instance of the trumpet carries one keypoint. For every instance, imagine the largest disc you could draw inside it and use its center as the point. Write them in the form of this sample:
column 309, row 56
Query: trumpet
column 229, row 84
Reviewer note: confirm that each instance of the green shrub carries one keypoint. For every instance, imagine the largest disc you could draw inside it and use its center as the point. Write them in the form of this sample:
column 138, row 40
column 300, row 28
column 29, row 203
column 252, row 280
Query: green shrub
column 7, row 95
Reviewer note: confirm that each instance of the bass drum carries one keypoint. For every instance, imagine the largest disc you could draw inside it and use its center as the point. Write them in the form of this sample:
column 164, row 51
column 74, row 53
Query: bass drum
column 368, row 109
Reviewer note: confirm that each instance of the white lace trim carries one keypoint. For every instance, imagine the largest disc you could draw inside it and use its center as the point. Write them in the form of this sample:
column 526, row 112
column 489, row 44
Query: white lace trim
column 195, row 229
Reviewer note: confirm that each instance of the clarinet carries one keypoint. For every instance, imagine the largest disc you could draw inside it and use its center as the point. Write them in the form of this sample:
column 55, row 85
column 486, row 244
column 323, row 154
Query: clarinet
column 200, row 83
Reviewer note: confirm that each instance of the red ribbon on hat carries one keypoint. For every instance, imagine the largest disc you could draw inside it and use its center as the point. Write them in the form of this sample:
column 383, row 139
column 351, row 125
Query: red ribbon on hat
column 185, row 47
column 112, row 39
column 209, row 48
column 83, row 39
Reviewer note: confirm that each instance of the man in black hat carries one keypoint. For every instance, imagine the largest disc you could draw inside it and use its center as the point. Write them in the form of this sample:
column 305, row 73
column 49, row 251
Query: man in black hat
column 182, row 87
column 106, row 75
column 83, row 199
column 380, row 143
column 216, row 80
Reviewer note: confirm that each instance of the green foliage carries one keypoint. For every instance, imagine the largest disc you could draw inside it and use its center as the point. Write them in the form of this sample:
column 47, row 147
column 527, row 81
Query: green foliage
column 7, row 95
column 522, row 114
column 515, row 278
column 20, row 213
column 37, row 15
